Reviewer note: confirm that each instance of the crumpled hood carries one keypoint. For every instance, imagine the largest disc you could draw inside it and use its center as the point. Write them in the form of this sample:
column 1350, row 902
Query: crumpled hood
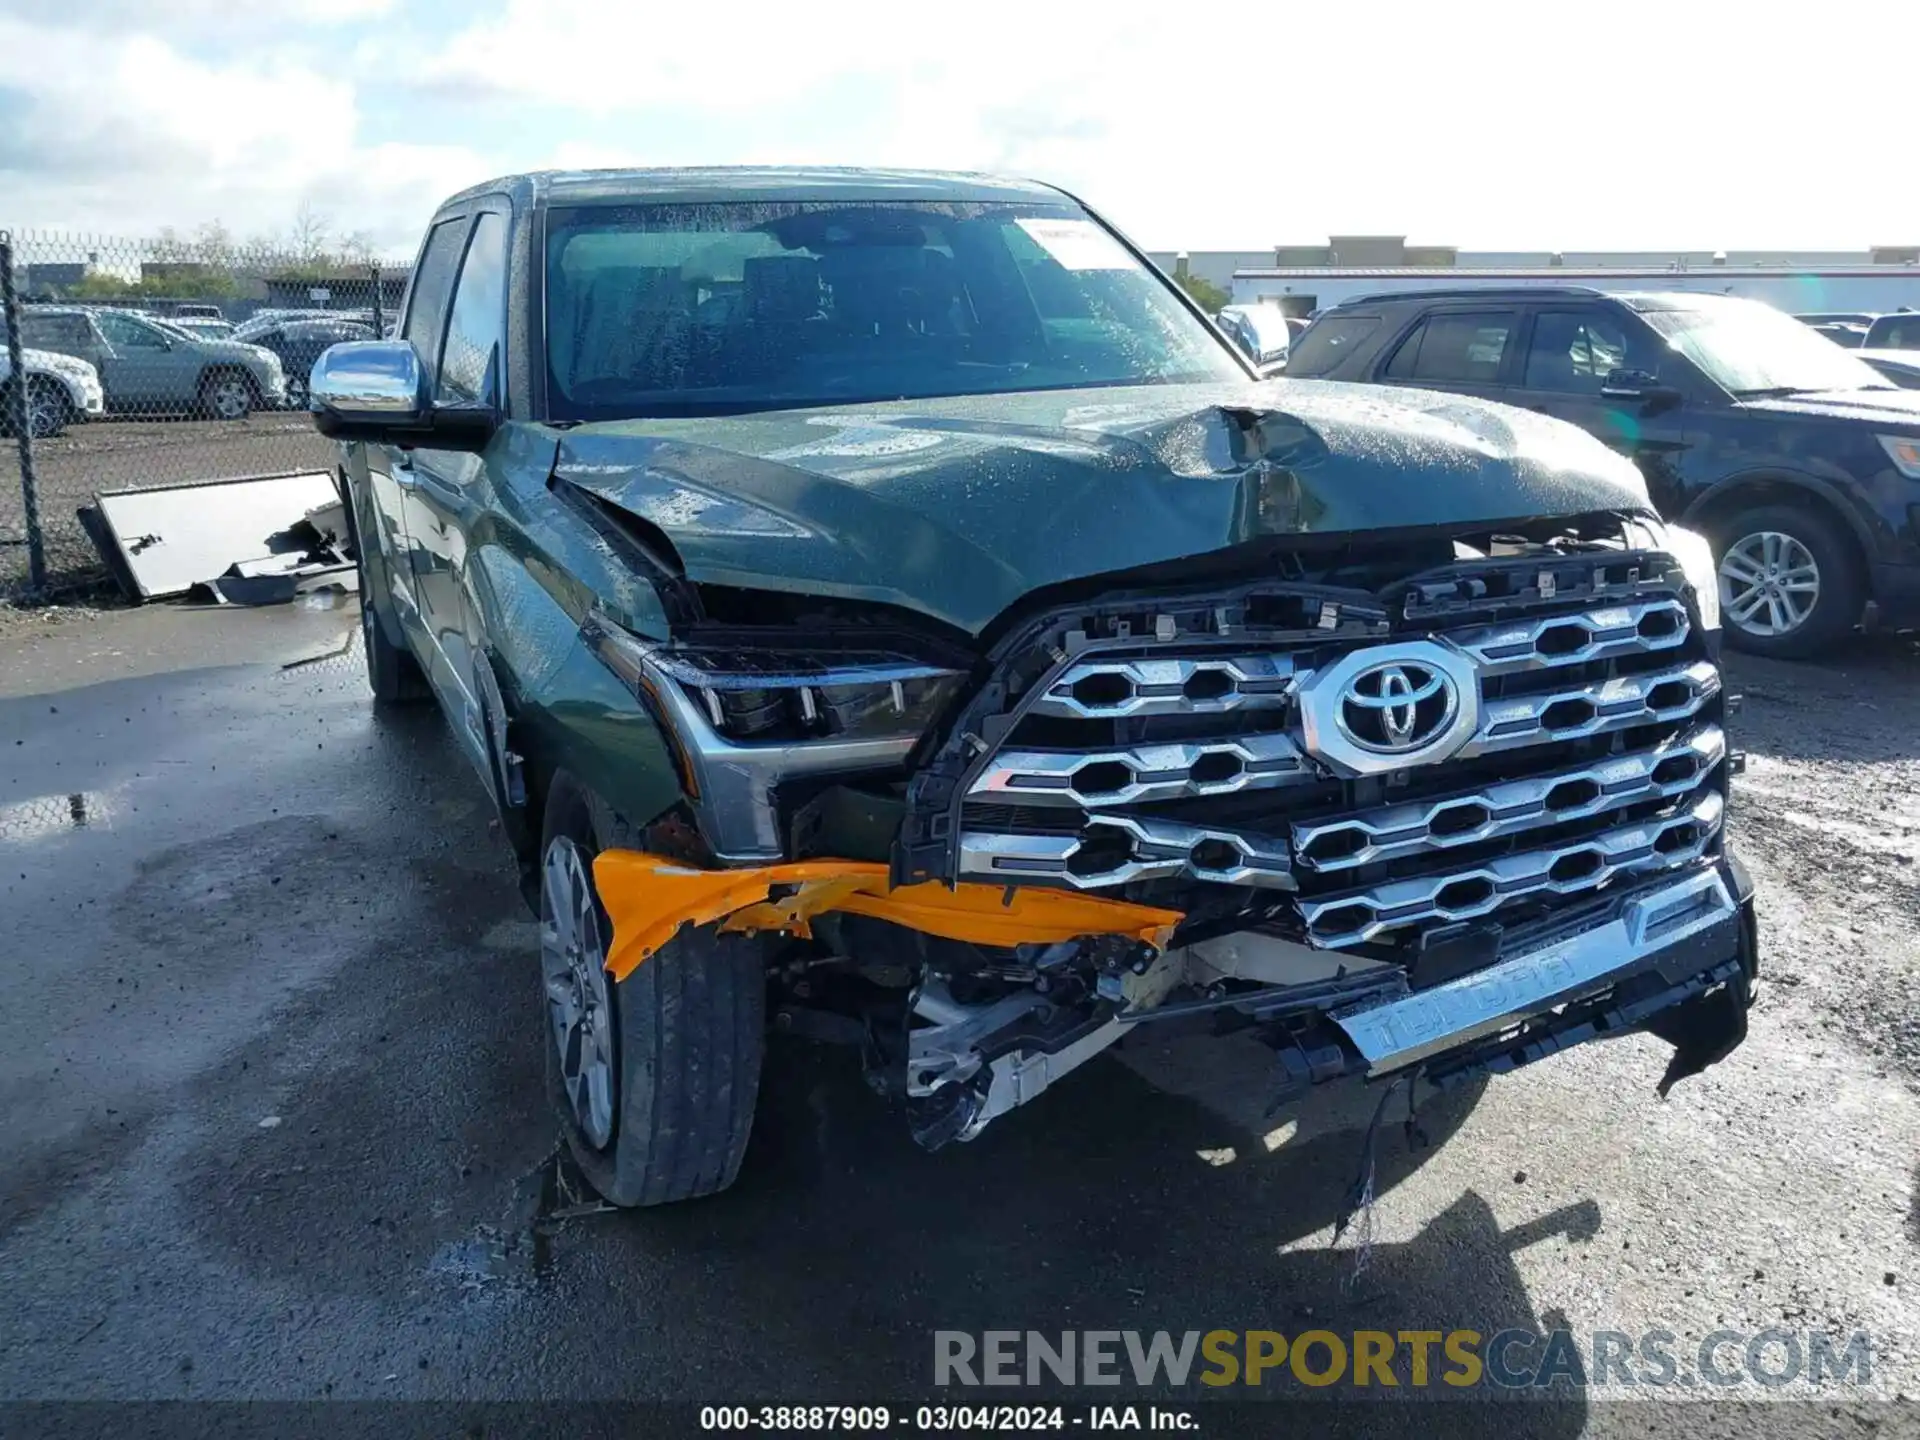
column 958, row 507
column 1899, row 409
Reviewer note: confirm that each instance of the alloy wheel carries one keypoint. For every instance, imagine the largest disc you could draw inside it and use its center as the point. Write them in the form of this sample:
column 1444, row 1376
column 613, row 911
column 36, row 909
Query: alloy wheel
column 44, row 411
column 230, row 399
column 573, row 965
column 1769, row 583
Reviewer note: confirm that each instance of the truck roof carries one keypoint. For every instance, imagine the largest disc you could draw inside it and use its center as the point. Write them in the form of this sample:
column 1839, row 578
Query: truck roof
column 695, row 185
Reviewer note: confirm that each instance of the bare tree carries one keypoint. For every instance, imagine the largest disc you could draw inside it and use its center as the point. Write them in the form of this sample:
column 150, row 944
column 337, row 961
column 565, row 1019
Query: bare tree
column 308, row 236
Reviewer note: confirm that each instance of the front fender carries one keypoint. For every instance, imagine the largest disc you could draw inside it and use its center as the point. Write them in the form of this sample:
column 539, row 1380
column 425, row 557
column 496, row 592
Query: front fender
column 562, row 708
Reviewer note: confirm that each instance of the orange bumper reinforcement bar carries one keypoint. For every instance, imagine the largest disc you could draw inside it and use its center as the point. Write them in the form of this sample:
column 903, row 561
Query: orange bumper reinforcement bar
column 649, row 898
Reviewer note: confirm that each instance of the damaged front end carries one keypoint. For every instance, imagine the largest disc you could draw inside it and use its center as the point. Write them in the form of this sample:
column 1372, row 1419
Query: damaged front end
column 1443, row 805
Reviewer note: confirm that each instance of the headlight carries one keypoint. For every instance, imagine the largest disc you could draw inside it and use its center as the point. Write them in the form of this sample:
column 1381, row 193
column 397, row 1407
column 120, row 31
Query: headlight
column 744, row 718
column 1703, row 574
column 1904, row 451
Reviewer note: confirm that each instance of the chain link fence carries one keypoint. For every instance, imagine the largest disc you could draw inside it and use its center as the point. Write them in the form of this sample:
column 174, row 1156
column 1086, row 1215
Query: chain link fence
column 131, row 364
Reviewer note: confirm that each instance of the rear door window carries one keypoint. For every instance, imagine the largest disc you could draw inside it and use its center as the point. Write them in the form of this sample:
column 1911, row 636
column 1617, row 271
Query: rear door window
column 1458, row 348
column 69, row 333
column 1328, row 342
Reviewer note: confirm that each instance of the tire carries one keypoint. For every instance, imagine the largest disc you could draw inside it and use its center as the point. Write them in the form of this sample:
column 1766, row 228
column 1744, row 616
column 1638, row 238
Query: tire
column 296, row 392
column 227, row 395
column 393, row 674
column 49, row 410
column 1791, row 580
column 653, row 1079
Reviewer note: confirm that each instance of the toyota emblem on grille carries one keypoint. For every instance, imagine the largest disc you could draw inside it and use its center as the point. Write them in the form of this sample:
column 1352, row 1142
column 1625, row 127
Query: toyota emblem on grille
column 1397, row 707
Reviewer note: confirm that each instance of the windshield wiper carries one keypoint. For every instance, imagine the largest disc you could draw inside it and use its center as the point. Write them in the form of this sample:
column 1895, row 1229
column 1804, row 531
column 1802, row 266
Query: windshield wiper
column 1776, row 392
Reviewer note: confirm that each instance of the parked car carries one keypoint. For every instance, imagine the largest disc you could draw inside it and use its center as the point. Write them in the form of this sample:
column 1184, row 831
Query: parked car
column 1898, row 331
column 1843, row 333
column 299, row 342
column 193, row 310
column 199, row 329
column 59, row 391
column 1902, row 367
column 150, row 365
column 1261, row 333
column 882, row 600
column 262, row 321
column 1797, row 459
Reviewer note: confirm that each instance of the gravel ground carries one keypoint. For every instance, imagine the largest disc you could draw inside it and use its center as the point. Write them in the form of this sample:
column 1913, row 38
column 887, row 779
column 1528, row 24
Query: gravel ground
column 135, row 454
column 271, row 1118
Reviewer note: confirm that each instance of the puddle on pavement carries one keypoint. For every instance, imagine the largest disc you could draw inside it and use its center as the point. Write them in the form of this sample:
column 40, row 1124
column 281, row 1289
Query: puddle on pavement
column 519, row 1253
column 344, row 656
column 47, row 815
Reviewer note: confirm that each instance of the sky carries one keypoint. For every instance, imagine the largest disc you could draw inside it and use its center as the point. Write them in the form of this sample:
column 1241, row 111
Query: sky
column 1196, row 126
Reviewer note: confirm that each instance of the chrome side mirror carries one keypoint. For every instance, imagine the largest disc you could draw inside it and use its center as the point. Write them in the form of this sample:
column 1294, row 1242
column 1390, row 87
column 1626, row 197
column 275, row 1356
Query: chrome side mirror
column 368, row 382
column 377, row 390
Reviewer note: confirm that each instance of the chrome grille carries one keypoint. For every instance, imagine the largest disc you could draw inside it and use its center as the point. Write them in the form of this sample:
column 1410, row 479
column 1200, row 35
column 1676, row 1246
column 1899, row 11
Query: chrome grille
column 1466, row 894
column 1509, row 807
column 1147, row 772
column 1619, row 703
column 1602, row 634
column 1118, row 849
column 1197, row 685
column 1586, row 746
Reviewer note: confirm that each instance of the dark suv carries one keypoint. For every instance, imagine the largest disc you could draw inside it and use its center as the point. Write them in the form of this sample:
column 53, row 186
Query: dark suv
column 1798, row 460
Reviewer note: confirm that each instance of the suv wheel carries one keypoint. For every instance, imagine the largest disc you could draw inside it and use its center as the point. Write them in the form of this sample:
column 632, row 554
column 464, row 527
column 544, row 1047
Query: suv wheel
column 226, row 396
column 1790, row 582
column 653, row 1079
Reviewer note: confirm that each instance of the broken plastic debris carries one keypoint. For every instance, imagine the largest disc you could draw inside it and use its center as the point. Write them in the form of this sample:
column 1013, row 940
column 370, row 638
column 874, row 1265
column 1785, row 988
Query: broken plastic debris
column 649, row 898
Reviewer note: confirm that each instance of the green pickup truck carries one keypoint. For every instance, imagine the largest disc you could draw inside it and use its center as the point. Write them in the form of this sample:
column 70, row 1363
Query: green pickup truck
column 883, row 608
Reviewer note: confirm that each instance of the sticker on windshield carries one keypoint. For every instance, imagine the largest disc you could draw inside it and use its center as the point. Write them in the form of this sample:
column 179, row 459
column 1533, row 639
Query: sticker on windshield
column 1078, row 244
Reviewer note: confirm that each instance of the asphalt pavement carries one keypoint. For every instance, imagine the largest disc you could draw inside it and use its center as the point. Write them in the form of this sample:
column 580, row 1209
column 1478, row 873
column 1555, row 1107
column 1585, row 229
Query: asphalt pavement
column 272, row 1121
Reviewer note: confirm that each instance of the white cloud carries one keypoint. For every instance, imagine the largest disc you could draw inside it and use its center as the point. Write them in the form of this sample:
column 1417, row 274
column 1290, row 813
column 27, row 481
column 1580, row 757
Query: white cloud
column 1489, row 124
column 126, row 135
column 1212, row 124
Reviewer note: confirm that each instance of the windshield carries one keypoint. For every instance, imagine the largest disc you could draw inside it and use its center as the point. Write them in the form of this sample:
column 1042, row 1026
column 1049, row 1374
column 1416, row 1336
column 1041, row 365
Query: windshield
column 1753, row 349
column 708, row 309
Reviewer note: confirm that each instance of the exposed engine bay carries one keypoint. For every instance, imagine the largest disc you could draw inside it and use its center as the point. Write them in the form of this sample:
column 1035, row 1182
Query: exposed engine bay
column 1439, row 803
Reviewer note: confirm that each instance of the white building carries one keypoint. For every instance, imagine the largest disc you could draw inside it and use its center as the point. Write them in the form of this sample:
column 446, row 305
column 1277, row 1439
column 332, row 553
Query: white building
column 1304, row 278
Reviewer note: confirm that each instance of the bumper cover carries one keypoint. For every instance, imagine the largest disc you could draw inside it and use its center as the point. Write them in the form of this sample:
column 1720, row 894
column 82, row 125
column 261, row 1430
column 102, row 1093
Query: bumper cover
column 1677, row 959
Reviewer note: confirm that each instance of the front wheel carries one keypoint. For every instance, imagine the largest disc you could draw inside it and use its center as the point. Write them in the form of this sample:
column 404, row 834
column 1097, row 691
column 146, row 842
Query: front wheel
column 48, row 409
column 653, row 1078
column 1791, row 582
